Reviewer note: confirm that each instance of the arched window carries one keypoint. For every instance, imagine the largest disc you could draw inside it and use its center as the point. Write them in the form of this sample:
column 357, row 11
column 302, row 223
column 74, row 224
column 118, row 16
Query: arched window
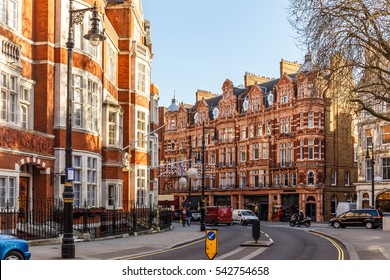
column 277, row 179
column 310, row 178
column 294, row 179
column 285, row 179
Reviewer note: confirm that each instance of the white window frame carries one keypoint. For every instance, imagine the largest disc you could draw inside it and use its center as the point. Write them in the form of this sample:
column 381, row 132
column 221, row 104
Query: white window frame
column 319, row 149
column 268, row 128
column 25, row 107
column 242, row 180
column 243, row 132
column 8, row 191
column 256, row 151
column 114, row 195
column 92, row 182
column 368, row 169
column 310, row 120
column 310, row 149
column 243, row 153
column 10, row 15
column 112, row 128
column 302, row 149
column 77, row 183
column 334, row 178
column 141, row 77
column 141, row 127
column 283, row 154
column 93, row 107
column 9, row 98
column 141, row 186
column 294, row 179
column 260, row 129
column 111, row 62
column 77, row 98
column 347, row 178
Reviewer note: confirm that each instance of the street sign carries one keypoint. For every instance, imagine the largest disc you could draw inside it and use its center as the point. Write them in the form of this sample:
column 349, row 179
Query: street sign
column 211, row 247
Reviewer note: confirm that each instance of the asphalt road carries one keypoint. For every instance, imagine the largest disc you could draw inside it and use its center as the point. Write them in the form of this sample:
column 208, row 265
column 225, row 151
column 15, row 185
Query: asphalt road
column 289, row 244
column 300, row 244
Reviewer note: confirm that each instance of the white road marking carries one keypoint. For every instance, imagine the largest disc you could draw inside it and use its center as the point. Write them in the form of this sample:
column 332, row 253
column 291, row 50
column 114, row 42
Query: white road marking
column 231, row 253
column 254, row 254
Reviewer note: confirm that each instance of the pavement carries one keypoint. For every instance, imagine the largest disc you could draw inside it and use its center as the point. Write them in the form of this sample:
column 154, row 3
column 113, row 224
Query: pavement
column 361, row 243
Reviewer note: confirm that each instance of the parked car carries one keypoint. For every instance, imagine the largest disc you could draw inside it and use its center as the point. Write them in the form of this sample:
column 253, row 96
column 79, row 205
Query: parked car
column 244, row 216
column 12, row 248
column 369, row 218
column 219, row 215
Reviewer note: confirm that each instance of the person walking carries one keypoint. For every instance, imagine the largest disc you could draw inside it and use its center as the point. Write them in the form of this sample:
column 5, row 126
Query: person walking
column 183, row 217
column 189, row 216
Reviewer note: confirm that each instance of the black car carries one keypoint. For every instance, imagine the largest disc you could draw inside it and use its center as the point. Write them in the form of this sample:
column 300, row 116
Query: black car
column 369, row 218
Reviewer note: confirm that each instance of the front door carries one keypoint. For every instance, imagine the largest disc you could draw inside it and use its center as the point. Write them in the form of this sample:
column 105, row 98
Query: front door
column 311, row 211
column 23, row 196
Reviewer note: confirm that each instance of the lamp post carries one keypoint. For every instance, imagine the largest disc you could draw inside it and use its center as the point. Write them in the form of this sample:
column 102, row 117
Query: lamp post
column 94, row 36
column 372, row 174
column 203, row 202
column 192, row 173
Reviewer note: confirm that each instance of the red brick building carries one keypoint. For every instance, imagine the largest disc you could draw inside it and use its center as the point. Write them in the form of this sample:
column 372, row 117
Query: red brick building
column 110, row 104
column 282, row 144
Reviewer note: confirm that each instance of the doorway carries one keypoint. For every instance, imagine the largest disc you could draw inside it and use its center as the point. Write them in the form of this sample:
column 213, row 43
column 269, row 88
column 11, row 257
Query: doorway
column 311, row 208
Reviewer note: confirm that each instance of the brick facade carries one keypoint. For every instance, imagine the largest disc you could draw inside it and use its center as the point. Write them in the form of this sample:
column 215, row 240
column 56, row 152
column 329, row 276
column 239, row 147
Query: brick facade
column 279, row 140
column 34, row 58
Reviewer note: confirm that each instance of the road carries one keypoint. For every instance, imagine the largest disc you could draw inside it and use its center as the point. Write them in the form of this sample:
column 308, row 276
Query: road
column 301, row 244
column 289, row 244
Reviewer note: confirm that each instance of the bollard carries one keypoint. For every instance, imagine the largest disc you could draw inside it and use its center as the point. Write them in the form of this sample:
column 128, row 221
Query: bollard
column 256, row 230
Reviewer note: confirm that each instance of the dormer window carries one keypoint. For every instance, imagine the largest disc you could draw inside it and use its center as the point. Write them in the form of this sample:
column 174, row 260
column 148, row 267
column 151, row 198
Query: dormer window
column 245, row 105
column 215, row 113
column 172, row 123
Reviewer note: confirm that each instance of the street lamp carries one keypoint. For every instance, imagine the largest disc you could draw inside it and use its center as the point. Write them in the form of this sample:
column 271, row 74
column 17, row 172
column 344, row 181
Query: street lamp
column 192, row 173
column 94, row 36
column 203, row 202
column 372, row 174
column 182, row 182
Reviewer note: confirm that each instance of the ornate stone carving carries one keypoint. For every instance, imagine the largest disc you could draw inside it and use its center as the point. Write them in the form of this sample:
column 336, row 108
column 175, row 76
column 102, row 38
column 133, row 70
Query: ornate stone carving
column 25, row 141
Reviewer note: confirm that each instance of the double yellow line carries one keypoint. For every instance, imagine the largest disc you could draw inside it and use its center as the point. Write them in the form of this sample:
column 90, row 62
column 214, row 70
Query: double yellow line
column 340, row 250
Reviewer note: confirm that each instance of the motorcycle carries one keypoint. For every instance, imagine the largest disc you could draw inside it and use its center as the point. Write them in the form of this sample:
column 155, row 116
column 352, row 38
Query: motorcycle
column 294, row 221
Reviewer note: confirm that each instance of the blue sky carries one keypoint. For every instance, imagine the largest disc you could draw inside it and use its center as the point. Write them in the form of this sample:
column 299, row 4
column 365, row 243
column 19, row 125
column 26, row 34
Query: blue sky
column 197, row 44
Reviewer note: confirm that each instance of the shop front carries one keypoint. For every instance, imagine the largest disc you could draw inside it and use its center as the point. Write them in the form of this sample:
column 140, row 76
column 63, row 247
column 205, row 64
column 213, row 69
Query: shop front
column 258, row 204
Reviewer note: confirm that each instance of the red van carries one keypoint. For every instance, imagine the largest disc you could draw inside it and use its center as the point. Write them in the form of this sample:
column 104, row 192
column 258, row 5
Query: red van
column 219, row 215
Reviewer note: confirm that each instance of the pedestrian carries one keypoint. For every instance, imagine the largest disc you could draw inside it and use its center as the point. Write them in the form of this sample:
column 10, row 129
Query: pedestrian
column 280, row 214
column 301, row 217
column 183, row 217
column 189, row 216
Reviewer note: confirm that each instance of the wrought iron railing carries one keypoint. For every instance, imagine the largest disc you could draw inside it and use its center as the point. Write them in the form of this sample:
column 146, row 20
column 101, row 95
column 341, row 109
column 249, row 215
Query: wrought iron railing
column 44, row 220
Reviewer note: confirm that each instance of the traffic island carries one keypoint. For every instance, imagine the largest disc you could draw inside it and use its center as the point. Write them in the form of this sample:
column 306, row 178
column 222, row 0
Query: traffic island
column 261, row 243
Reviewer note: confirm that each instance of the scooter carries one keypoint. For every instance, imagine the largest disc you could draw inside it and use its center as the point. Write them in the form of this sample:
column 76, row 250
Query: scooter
column 294, row 221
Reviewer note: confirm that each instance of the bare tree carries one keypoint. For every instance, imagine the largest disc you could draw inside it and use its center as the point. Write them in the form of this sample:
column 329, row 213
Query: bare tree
column 358, row 31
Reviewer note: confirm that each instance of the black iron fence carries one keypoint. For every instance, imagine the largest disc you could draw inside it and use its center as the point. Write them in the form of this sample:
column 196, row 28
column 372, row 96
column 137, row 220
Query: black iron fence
column 44, row 220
